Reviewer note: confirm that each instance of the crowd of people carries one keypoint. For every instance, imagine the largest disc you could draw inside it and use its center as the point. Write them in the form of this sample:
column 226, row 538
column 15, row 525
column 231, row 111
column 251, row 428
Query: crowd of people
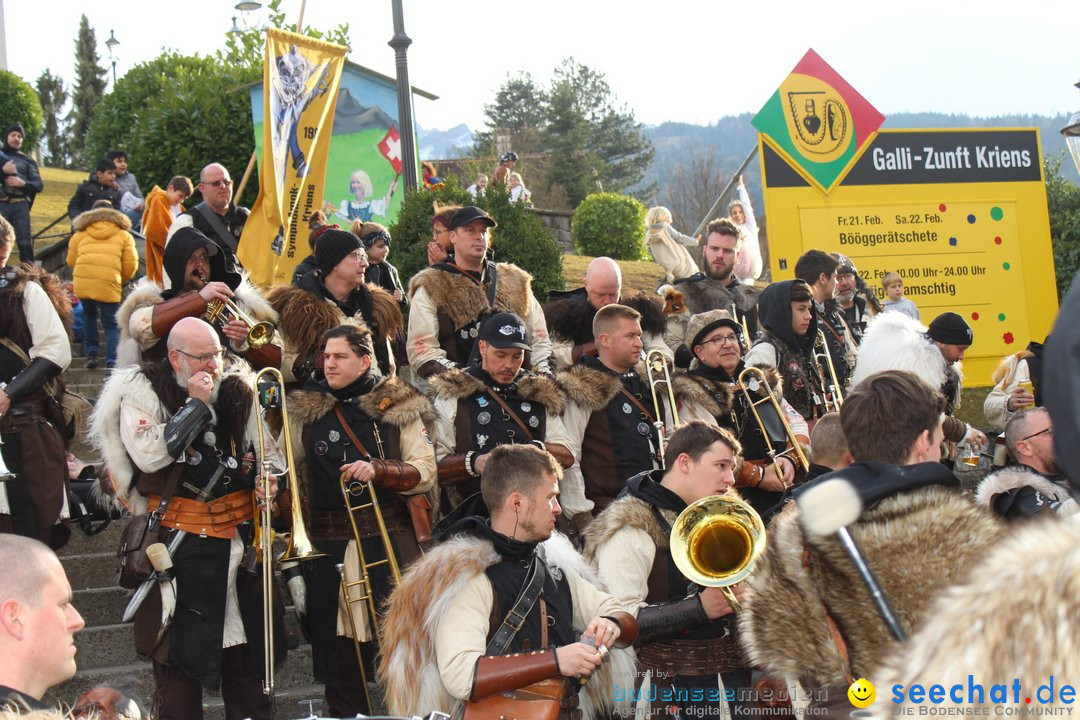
column 510, row 468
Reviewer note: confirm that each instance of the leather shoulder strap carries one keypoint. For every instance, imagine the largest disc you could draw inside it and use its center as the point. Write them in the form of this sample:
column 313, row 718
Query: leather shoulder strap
column 219, row 227
column 348, row 431
column 526, row 599
column 513, row 415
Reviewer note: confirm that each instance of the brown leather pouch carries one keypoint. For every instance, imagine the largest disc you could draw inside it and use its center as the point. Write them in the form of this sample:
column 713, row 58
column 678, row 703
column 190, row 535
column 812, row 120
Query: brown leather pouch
column 420, row 512
column 539, row 701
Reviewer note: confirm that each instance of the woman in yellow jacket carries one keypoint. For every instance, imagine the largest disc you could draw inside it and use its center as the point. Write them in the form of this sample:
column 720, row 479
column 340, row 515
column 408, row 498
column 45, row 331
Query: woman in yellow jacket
column 102, row 256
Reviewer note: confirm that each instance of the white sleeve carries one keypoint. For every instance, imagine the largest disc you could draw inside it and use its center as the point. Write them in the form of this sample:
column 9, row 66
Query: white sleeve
column 624, row 563
column 461, row 636
column 574, row 419
column 572, row 487
column 445, row 433
column 797, row 421
column 48, row 337
column 143, row 434
column 539, row 340
column 423, row 332
column 656, row 342
column 761, row 355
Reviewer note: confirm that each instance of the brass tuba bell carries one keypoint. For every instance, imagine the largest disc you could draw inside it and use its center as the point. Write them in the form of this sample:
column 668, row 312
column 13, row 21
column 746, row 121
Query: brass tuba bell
column 220, row 312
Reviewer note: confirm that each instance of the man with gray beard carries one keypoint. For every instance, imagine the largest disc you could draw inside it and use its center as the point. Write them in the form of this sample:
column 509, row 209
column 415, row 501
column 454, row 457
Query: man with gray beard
column 851, row 302
column 178, row 438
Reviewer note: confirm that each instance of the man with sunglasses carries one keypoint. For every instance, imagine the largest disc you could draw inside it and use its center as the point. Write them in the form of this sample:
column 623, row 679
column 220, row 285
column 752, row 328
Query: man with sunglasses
column 1034, row 484
column 179, row 438
column 217, row 216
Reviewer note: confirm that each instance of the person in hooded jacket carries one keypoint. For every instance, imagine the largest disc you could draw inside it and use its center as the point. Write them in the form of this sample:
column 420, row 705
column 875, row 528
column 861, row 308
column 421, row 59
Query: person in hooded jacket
column 102, row 257
column 786, row 343
column 21, row 183
column 197, row 275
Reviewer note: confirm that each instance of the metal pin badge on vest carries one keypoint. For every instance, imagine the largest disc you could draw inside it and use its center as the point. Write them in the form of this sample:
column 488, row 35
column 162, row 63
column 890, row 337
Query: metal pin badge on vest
column 334, row 436
column 482, row 401
column 643, row 428
column 481, row 441
column 526, row 407
column 626, row 408
column 534, row 422
column 194, row 457
column 483, row 418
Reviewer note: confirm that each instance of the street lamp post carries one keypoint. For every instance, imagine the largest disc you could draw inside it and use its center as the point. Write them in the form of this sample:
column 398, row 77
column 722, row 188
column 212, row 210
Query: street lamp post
column 400, row 42
column 1072, row 136
column 111, row 44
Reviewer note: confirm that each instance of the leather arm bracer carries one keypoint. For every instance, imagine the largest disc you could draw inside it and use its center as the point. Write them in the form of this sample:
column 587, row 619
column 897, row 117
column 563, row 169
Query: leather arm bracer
column 395, row 475
column 663, row 620
column 37, row 373
column 499, row 673
column 168, row 313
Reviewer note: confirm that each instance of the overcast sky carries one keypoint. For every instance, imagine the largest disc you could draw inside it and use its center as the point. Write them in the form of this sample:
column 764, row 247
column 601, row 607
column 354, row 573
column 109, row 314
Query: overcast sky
column 681, row 60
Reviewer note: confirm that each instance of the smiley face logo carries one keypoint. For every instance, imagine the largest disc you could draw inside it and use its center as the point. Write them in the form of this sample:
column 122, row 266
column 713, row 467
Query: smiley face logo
column 862, row 693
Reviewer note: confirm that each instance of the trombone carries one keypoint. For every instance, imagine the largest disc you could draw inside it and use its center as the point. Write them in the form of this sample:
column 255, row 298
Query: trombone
column 772, row 421
column 657, row 372
column 352, row 492
column 220, row 312
column 743, row 325
column 834, row 396
column 716, row 541
column 300, row 547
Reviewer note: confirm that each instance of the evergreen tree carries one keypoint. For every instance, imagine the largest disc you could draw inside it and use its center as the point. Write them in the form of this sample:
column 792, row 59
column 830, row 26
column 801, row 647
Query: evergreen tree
column 518, row 110
column 51, row 92
column 89, row 88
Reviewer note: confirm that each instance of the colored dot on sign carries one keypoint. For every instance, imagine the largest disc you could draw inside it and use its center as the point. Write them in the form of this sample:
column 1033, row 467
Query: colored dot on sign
column 942, row 207
column 1007, row 266
column 997, row 213
column 971, row 219
column 997, row 240
column 1009, row 339
column 1001, row 317
column 1027, row 700
column 952, row 241
column 974, row 316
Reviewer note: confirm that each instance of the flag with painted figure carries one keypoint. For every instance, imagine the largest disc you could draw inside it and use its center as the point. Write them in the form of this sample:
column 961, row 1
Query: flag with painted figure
column 818, row 122
column 301, row 76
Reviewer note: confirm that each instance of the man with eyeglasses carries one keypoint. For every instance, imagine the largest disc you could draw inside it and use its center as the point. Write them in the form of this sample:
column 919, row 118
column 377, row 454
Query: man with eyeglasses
column 767, row 468
column 196, row 269
column 180, row 435
column 334, row 294
column 217, row 216
column 1033, row 485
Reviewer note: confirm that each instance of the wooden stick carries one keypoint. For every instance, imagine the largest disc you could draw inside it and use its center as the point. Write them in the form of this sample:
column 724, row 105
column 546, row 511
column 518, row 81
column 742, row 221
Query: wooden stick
column 247, row 175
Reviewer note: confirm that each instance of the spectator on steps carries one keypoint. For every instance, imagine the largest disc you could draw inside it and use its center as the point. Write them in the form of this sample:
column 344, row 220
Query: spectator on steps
column 101, row 185
column 132, row 203
column 102, row 257
column 162, row 207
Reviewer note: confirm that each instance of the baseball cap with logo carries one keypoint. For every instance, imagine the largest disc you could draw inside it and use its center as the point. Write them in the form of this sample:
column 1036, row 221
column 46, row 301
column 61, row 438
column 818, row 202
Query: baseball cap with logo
column 504, row 330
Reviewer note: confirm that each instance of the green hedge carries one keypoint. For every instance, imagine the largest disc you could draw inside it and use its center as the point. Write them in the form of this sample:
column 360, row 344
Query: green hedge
column 610, row 224
column 19, row 102
column 520, row 237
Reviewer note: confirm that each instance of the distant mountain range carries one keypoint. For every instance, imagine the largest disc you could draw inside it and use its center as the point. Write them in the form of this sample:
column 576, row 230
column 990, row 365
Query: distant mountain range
column 731, row 138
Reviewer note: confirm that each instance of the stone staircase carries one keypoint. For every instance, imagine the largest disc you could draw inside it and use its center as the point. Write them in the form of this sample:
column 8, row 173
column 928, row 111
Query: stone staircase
column 106, row 649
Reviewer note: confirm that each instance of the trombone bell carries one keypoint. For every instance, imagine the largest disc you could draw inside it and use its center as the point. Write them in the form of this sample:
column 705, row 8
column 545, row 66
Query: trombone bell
column 716, row 541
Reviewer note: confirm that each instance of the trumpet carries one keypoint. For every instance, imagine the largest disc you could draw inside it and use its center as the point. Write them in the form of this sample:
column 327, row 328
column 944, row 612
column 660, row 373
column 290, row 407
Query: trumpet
column 352, row 492
column 833, row 395
column 656, row 370
column 716, row 541
column 770, row 418
column 300, row 546
column 220, row 312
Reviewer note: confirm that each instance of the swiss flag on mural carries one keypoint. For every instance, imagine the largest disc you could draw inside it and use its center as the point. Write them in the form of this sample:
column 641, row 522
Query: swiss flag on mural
column 390, row 147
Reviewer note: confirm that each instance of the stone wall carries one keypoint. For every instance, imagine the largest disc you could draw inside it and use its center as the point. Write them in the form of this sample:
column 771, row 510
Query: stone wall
column 559, row 222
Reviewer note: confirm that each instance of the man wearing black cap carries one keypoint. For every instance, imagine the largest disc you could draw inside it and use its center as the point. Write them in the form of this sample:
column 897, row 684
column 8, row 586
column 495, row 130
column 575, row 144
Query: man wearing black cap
column 495, row 403
column 450, row 300
column 334, row 294
column 22, row 182
column 197, row 275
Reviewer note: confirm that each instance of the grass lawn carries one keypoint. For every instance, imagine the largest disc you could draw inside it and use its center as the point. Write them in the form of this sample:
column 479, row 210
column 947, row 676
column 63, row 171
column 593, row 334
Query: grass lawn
column 52, row 203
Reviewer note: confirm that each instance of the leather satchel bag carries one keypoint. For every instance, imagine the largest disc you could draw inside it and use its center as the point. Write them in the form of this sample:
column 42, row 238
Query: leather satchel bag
column 539, row 701
column 132, row 565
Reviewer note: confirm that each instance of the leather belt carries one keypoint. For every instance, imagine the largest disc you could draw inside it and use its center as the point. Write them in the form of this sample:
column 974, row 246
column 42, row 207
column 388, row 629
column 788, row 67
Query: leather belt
column 693, row 657
column 335, row 525
column 217, row 518
column 14, row 200
column 23, row 413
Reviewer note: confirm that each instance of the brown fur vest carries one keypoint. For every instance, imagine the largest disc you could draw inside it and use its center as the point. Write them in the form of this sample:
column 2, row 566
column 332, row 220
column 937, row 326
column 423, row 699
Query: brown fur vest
column 463, row 300
column 460, row 385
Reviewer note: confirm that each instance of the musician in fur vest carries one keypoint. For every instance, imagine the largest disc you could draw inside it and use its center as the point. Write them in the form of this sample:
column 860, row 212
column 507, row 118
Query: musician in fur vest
column 570, row 314
column 198, row 276
column 184, row 432
column 1033, row 485
column 34, row 351
column 346, row 420
column 448, row 638
column 450, row 300
column 686, row 635
column 496, row 403
column 807, row 614
column 768, row 466
column 334, row 294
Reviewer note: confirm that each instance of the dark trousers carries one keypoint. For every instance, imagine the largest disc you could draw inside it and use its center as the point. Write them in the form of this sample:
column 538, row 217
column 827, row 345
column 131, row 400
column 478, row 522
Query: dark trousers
column 18, row 214
column 107, row 311
column 179, row 697
column 350, row 699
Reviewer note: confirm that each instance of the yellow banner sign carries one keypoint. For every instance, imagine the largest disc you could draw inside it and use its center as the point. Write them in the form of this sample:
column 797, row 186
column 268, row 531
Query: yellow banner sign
column 300, row 82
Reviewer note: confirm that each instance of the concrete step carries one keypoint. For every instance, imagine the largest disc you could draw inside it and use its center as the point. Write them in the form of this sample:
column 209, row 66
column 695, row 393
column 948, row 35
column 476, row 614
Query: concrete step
column 78, row 374
column 111, row 646
column 289, row 703
column 93, row 569
column 101, row 606
column 104, row 542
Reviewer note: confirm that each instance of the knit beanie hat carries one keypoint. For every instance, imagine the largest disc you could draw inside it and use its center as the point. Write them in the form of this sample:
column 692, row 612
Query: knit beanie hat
column 950, row 329
column 16, row 126
column 332, row 246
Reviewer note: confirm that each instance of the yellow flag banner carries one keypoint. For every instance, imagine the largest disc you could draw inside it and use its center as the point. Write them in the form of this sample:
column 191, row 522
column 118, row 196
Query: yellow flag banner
column 300, row 84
